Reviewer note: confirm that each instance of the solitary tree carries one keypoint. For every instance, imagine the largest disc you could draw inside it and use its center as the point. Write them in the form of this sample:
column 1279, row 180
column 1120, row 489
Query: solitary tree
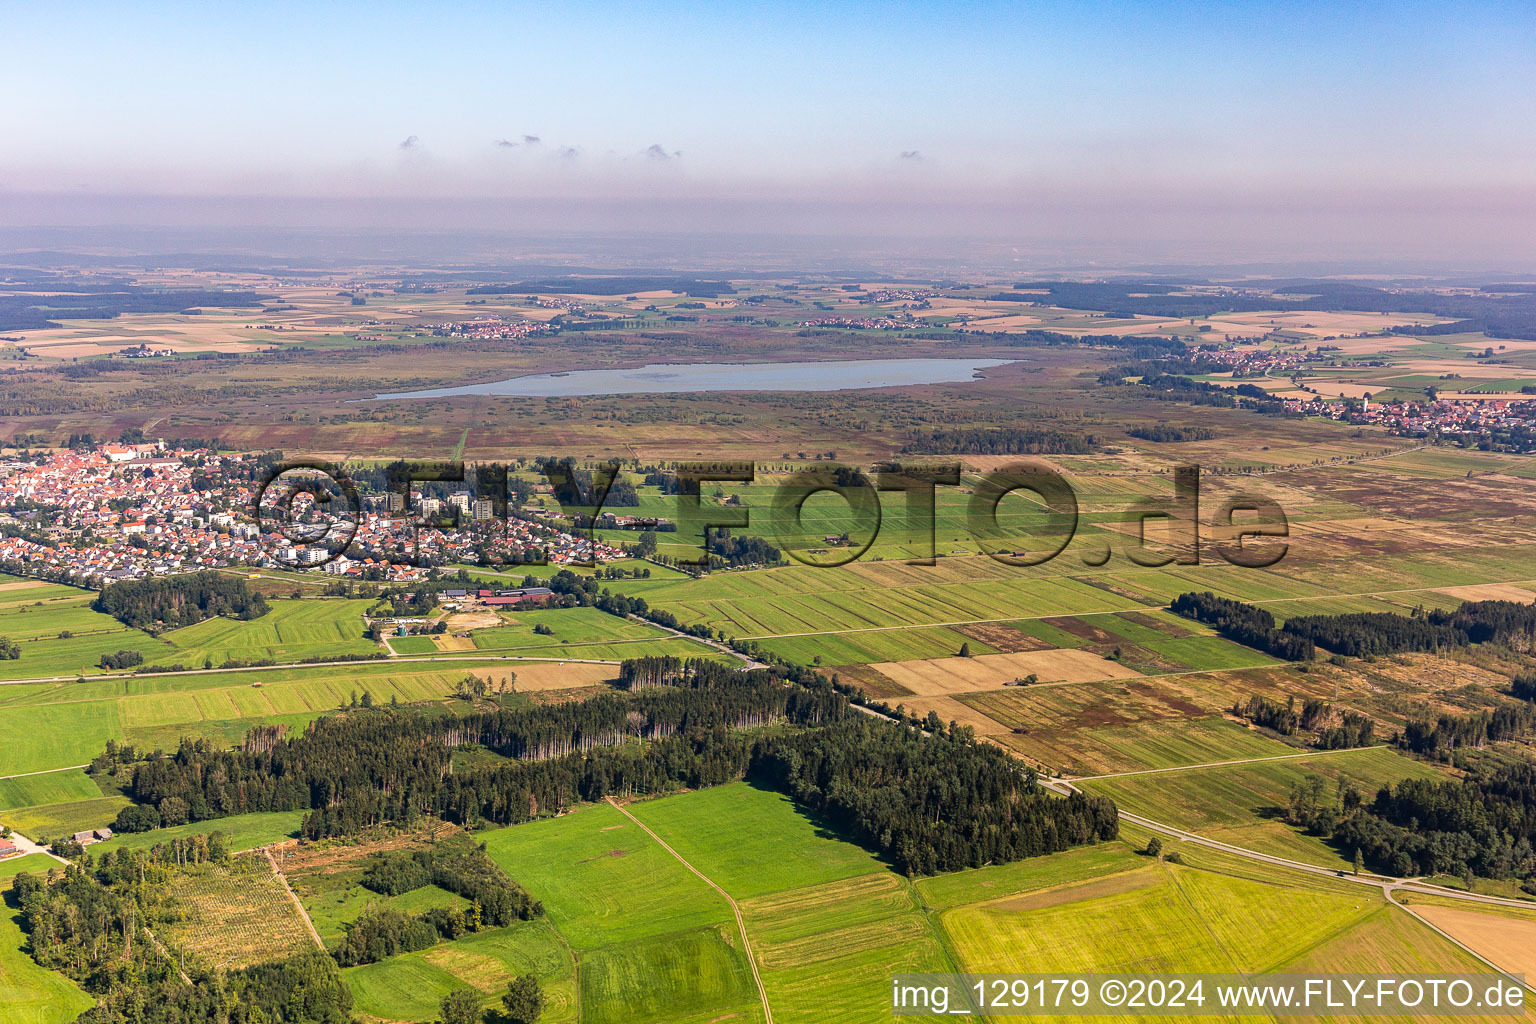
column 524, row 1000
column 462, row 1006
column 1359, row 860
column 965, row 650
column 1154, row 847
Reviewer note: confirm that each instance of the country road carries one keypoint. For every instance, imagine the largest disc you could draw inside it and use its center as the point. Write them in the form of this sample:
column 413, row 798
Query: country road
column 466, row 656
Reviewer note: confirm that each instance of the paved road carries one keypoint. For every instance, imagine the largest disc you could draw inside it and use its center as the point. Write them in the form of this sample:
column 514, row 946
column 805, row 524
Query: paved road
column 466, row 656
column 741, row 923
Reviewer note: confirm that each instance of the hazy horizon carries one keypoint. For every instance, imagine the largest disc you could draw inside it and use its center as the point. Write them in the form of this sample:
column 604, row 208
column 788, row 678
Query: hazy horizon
column 1172, row 131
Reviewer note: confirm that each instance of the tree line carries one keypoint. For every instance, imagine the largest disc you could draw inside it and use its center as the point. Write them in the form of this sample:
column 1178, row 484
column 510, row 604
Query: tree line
column 1001, row 441
column 1242, row 623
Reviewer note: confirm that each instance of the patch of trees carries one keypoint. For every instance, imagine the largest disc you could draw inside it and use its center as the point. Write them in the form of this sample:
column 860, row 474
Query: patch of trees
column 23, row 312
column 1176, row 388
column 1509, row 316
column 10, row 650
column 930, row 803
column 121, row 659
column 726, row 549
column 461, row 866
column 1484, row 825
column 1165, row 432
column 359, row 769
column 1001, row 441
column 1449, row 733
column 1360, row 634
column 1332, row 731
column 572, row 485
column 1242, row 623
column 457, row 864
column 572, row 591
column 176, row 601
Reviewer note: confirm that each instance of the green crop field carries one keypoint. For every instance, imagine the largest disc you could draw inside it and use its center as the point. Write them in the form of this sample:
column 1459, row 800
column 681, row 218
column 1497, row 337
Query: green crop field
column 46, row 788
column 333, row 907
column 1153, row 918
column 68, row 724
column 411, row 987
column 55, row 820
column 758, row 842
column 413, row 645
column 874, row 645
column 241, row 832
column 1239, row 803
column 566, row 625
column 700, row 974
column 981, row 885
column 291, row 631
column 603, row 880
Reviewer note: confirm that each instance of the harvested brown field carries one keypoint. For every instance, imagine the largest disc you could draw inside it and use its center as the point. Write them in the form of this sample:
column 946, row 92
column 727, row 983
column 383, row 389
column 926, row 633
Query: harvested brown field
column 1508, row 942
column 1004, row 638
column 936, row 676
column 1171, row 629
column 1491, row 592
column 951, row 710
column 551, row 675
column 297, row 859
column 460, row 622
column 449, row 642
column 1077, row 627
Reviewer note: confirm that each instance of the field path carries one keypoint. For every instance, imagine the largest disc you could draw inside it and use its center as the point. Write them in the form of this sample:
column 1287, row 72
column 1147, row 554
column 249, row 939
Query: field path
column 740, row 921
column 304, row 914
column 45, row 771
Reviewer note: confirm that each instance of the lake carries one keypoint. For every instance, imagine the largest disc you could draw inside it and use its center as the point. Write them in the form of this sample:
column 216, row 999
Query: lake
column 675, row 378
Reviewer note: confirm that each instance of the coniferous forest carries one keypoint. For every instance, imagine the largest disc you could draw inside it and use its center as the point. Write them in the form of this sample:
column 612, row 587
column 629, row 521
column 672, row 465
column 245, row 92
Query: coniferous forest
column 170, row 602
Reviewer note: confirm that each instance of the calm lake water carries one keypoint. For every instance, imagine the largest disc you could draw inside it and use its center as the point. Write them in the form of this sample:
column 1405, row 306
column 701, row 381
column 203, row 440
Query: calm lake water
column 672, row 378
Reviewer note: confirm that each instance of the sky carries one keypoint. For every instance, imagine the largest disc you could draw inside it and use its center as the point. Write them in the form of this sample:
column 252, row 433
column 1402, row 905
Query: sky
column 1302, row 127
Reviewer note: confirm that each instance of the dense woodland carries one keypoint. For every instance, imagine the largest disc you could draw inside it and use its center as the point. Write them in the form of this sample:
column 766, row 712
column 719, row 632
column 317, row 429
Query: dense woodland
column 1242, row 623
column 1364, row 634
column 1002, row 441
column 1484, row 825
column 169, row 602
column 1167, row 432
column 928, row 802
